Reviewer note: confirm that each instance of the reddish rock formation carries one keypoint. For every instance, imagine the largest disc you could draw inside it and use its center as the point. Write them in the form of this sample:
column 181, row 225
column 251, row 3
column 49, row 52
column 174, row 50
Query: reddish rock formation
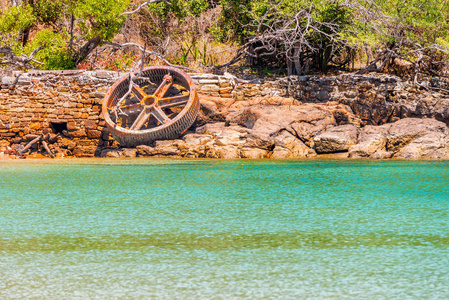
column 293, row 117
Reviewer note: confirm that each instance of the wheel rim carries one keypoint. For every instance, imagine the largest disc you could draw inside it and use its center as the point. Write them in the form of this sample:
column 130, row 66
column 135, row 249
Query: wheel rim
column 162, row 104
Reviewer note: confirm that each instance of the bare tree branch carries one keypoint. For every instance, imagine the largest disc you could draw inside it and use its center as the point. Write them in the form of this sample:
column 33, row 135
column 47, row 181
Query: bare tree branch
column 21, row 61
column 158, row 55
column 142, row 6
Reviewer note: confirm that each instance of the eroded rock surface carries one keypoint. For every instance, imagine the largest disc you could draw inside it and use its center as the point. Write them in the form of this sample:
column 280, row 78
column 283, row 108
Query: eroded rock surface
column 257, row 127
column 304, row 130
column 356, row 116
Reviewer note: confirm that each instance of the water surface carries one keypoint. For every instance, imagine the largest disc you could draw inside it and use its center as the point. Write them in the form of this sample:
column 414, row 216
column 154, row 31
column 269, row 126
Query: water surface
column 208, row 229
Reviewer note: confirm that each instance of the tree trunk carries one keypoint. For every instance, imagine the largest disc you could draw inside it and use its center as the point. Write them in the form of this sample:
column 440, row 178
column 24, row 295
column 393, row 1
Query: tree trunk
column 88, row 47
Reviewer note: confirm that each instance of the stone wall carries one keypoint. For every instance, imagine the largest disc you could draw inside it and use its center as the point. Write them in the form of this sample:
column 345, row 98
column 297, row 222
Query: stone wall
column 376, row 100
column 68, row 103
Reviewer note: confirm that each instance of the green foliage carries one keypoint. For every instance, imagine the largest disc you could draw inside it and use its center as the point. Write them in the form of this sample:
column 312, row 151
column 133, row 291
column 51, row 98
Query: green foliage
column 48, row 11
column 420, row 21
column 93, row 19
column 12, row 21
column 403, row 25
column 179, row 8
column 100, row 18
column 234, row 19
column 193, row 52
column 17, row 18
column 122, row 63
column 178, row 11
column 54, row 54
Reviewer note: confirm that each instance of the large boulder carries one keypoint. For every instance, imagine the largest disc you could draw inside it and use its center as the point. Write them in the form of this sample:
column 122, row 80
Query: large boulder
column 404, row 131
column 409, row 138
column 426, row 146
column 336, row 139
column 304, row 121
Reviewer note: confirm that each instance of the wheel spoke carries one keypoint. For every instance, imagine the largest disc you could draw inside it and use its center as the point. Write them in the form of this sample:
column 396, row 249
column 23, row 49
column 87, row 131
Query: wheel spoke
column 159, row 114
column 130, row 106
column 140, row 120
column 138, row 92
column 173, row 101
column 164, row 86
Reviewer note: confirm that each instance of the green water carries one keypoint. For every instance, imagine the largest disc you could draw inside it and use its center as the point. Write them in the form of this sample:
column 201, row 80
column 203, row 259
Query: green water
column 172, row 229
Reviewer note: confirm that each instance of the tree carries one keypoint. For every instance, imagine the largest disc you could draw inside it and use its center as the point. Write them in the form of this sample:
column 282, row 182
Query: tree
column 298, row 34
column 72, row 28
column 414, row 31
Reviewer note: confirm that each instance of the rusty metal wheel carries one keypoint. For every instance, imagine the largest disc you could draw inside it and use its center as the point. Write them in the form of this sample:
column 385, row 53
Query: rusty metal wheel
column 161, row 104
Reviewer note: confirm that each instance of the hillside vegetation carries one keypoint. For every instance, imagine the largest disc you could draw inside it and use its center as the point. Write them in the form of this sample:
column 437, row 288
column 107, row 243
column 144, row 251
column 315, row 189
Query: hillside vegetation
column 406, row 37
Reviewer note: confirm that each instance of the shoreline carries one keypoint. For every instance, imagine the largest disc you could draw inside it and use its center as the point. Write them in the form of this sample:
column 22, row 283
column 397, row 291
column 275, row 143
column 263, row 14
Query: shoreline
column 363, row 116
column 325, row 157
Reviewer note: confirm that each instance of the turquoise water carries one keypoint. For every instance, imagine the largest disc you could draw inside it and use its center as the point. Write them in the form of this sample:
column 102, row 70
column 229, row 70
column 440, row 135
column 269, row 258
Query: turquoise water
column 203, row 229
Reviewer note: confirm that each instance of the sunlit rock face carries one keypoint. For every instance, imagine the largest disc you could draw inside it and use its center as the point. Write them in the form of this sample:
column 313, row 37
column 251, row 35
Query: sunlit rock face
column 360, row 116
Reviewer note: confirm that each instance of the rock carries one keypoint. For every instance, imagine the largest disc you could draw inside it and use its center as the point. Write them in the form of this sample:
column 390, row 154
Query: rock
column 344, row 116
column 84, row 151
column 237, row 106
column 322, row 95
column 144, row 150
column 336, row 139
column 212, row 129
column 306, row 131
column 288, row 146
column 429, row 106
column 209, row 88
column 382, row 154
column 67, row 143
column 377, row 107
column 4, row 143
column 371, row 107
column 93, row 134
column 226, row 152
column 272, row 119
column 407, row 139
column 209, row 108
column 196, row 139
column 273, row 100
column 442, row 153
column 226, row 90
column 302, row 120
column 253, row 153
column 4, row 156
column 112, row 153
column 371, row 139
column 168, row 147
column 424, row 146
column 259, row 140
column 197, row 150
column 208, row 81
column 232, row 135
column 223, row 104
column 88, row 124
column 366, row 149
column 128, row 152
column 404, row 131
column 77, row 134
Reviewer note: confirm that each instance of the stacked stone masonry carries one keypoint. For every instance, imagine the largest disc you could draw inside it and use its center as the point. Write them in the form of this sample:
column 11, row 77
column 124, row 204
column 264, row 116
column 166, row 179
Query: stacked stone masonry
column 68, row 103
